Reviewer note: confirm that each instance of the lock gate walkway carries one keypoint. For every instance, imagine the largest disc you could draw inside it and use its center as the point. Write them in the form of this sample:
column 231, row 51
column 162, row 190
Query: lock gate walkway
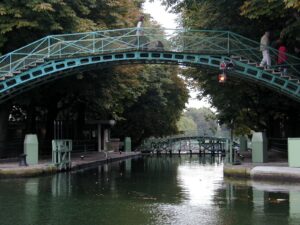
column 45, row 166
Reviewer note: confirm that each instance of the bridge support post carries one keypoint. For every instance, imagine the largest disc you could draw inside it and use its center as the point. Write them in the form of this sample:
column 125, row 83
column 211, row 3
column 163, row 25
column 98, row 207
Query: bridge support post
column 127, row 144
column 259, row 147
column 228, row 149
column 293, row 152
column 243, row 144
column 213, row 147
column 31, row 149
column 99, row 131
column 106, row 139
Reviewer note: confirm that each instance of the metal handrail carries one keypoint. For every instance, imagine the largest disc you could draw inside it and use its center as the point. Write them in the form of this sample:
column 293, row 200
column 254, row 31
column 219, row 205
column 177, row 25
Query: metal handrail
column 99, row 42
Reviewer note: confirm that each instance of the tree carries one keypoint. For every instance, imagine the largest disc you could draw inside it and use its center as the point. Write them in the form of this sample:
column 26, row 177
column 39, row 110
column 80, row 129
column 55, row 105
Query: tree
column 34, row 19
column 204, row 118
column 186, row 124
column 22, row 22
column 284, row 15
column 247, row 106
column 158, row 109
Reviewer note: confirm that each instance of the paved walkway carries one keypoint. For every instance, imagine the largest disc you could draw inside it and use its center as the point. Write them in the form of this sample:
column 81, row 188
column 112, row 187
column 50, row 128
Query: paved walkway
column 12, row 169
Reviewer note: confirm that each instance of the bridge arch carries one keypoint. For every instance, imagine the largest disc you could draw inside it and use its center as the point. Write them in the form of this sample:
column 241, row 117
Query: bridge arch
column 56, row 56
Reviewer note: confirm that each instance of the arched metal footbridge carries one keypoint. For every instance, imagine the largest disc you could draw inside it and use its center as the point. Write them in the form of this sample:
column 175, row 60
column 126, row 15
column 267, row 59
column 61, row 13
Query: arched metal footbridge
column 188, row 143
column 56, row 56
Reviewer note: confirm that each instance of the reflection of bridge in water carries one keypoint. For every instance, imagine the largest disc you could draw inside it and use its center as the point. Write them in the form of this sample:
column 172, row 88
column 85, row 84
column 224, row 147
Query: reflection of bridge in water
column 192, row 144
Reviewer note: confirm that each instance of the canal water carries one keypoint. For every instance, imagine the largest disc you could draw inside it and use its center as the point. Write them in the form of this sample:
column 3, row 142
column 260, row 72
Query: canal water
column 150, row 190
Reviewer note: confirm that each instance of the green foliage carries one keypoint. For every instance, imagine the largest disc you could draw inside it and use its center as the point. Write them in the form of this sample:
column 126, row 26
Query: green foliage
column 294, row 4
column 241, row 105
column 186, row 124
column 283, row 14
column 144, row 100
column 258, row 8
column 33, row 19
column 204, row 118
column 158, row 109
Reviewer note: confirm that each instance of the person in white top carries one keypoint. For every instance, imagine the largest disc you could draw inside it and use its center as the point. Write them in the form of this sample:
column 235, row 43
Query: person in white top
column 139, row 30
column 264, row 43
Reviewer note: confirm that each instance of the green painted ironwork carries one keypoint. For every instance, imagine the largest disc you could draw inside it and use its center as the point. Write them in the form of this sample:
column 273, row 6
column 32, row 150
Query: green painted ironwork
column 61, row 153
column 189, row 143
column 44, row 60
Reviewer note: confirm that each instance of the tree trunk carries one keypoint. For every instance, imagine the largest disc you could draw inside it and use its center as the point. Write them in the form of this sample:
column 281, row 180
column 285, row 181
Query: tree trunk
column 51, row 116
column 31, row 119
column 4, row 113
column 80, row 120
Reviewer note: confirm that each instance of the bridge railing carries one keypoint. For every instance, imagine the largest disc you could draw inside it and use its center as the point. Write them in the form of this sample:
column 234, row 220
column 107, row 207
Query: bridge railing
column 249, row 49
column 108, row 41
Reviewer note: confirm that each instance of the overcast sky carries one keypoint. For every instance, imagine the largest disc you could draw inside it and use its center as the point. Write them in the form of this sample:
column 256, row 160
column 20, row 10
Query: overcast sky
column 159, row 14
column 168, row 20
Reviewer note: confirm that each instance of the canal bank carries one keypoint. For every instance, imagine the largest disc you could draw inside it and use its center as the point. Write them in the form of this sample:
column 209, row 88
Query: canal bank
column 277, row 169
column 79, row 161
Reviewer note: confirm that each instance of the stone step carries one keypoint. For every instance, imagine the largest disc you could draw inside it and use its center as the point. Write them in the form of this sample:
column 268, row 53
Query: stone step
column 235, row 57
column 276, row 73
column 40, row 61
column 260, row 67
column 17, row 72
column 293, row 79
column 32, row 65
column 24, row 69
column 285, row 76
column 8, row 75
column 269, row 70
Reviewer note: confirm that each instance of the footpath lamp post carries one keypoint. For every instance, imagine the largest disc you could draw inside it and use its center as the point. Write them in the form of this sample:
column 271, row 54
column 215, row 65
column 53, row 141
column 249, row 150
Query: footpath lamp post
column 231, row 142
column 224, row 66
column 222, row 77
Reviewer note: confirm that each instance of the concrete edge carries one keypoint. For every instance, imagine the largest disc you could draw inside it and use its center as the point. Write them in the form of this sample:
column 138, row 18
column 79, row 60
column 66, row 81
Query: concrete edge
column 102, row 161
column 29, row 172
column 51, row 169
column 272, row 173
column 237, row 171
column 263, row 173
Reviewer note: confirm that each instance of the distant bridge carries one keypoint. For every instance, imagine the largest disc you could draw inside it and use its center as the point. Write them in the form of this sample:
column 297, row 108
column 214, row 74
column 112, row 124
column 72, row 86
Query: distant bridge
column 57, row 56
column 186, row 144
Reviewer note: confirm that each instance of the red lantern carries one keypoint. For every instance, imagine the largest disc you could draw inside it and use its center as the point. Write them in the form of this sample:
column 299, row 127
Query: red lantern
column 222, row 78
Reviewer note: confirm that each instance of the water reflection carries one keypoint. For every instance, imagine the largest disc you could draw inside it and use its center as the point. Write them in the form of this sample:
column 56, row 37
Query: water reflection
column 61, row 185
column 265, row 203
column 150, row 190
column 200, row 180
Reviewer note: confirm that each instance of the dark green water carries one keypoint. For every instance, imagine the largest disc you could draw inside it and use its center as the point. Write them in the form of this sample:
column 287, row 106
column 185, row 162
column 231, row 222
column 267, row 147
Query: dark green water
column 148, row 191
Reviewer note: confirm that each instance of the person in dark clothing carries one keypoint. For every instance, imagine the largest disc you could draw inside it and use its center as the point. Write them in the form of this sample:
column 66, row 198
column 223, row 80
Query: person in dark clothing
column 159, row 45
column 282, row 57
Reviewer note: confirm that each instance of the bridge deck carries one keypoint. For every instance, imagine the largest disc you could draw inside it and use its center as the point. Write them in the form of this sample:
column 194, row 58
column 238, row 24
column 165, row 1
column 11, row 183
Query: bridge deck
column 42, row 60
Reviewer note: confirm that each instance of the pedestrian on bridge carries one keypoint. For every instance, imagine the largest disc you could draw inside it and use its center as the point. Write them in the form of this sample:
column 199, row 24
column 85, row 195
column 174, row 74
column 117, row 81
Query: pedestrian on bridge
column 264, row 48
column 139, row 26
column 139, row 31
column 282, row 57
